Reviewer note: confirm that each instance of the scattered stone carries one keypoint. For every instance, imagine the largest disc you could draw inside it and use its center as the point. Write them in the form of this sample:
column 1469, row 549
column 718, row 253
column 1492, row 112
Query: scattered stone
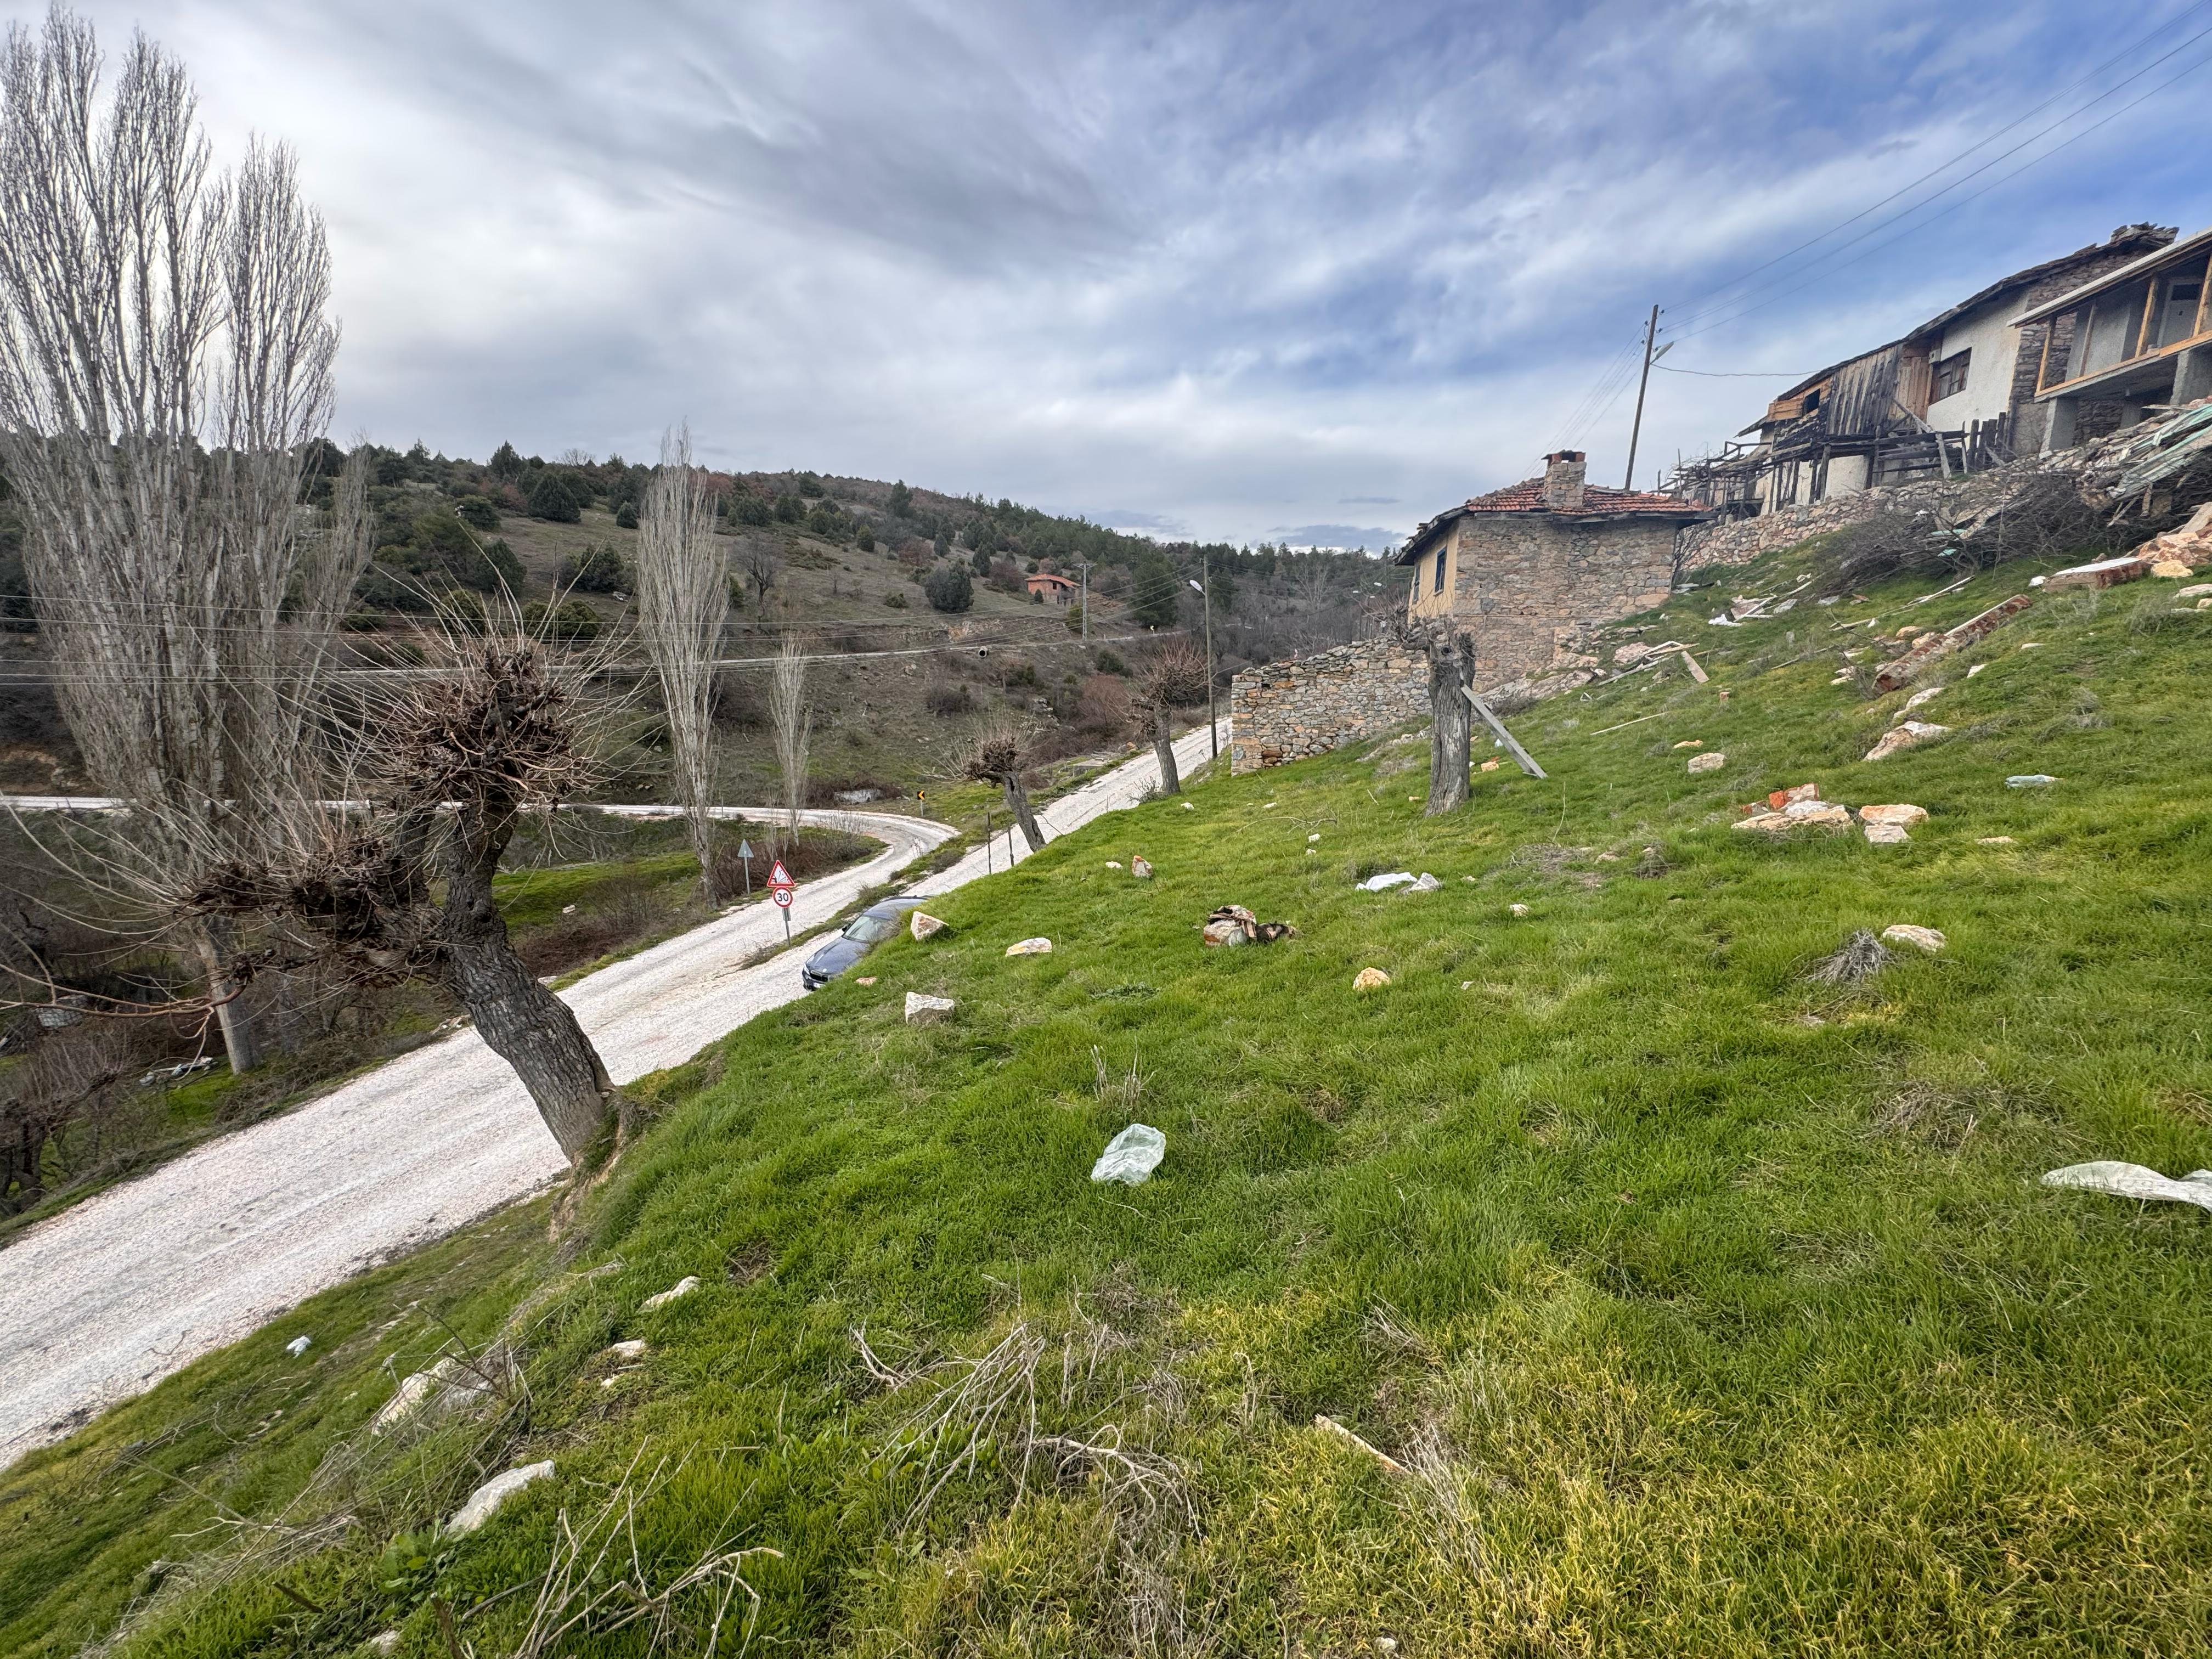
column 1131, row 1156
column 1609, row 858
column 1269, row 806
column 1112, row 864
column 1039, row 947
column 299, row 1345
column 2134, row 1181
column 1996, row 840
column 2105, row 572
column 2032, row 645
column 1370, row 979
column 1976, row 669
column 1518, row 910
column 1490, row 765
column 1712, row 761
column 1926, row 694
column 2202, row 591
column 1779, row 799
column 1910, row 735
column 927, row 1010
column 1384, row 884
column 865, row 979
column 2029, row 780
column 414, row 1389
column 922, row 924
column 1771, row 823
column 1140, row 867
column 568, row 909
column 1903, row 933
column 384, row 1642
column 1886, row 835
column 2172, row 570
column 681, row 1287
column 1691, row 743
column 484, row 1502
column 626, row 1352
column 1190, row 806
column 1904, row 817
column 1312, row 838
column 1908, row 631
column 1816, row 814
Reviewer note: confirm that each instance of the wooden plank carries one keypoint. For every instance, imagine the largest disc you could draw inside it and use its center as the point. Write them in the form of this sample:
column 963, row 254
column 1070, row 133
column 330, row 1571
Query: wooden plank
column 1512, row 745
column 1696, row 672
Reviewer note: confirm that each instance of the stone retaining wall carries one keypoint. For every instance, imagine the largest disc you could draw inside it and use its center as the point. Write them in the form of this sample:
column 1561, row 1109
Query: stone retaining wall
column 1739, row 541
column 1286, row 711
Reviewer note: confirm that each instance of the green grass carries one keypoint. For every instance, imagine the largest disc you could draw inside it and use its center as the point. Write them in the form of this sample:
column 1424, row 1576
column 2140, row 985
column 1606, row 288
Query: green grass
column 1714, row 1311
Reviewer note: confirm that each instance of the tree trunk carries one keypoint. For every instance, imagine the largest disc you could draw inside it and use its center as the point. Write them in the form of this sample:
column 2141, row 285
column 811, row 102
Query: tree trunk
column 1451, row 668
column 233, row 1018
column 1163, row 746
column 523, row 1022
column 702, row 848
column 1018, row 802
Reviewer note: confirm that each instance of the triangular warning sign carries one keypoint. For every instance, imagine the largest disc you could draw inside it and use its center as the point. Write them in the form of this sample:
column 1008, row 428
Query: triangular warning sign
column 778, row 877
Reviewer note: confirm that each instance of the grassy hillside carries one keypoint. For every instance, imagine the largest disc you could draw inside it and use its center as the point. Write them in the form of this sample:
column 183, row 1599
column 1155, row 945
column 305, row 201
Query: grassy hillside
column 1698, row 1307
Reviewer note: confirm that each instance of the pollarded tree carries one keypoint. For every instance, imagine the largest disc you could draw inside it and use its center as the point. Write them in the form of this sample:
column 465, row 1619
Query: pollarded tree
column 447, row 757
column 791, row 720
column 1172, row 678
column 1000, row 753
column 1452, row 731
column 165, row 375
column 683, row 599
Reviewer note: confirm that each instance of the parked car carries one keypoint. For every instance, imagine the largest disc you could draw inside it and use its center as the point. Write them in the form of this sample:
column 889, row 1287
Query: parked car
column 862, row 934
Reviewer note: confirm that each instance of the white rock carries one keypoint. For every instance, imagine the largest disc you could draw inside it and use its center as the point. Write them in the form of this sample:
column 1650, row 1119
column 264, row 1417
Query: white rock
column 1030, row 947
column 384, row 1642
column 1909, row 735
column 484, row 1502
column 1518, row 910
column 681, row 1287
column 1996, row 840
column 1903, row 933
column 1140, row 867
column 922, row 924
column 1370, row 979
column 1311, row 839
column 1771, row 823
column 1976, row 669
column 1887, row 835
column 1112, row 864
column 1190, row 806
column 413, row 1389
column 1903, row 816
column 1926, row 694
column 627, row 1353
column 2134, row 1181
column 1815, row 810
column 299, row 1345
column 927, row 1010
column 2200, row 591
column 1710, row 762
column 568, row 909
column 1384, row 884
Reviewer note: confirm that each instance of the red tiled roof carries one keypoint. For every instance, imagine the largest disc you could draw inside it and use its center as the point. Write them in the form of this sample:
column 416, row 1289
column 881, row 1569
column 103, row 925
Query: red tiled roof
column 1528, row 496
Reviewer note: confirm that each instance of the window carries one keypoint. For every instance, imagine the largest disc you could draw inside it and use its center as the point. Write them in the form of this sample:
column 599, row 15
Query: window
column 1951, row 376
column 1440, row 571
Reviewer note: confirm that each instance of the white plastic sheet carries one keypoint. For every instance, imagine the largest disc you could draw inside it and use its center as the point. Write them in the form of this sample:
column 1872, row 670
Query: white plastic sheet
column 1131, row 1156
column 2134, row 1181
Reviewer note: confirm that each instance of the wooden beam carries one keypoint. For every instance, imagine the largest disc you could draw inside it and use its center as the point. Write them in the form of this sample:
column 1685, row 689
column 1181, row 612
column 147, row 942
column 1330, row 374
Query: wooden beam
column 1512, row 746
column 1696, row 672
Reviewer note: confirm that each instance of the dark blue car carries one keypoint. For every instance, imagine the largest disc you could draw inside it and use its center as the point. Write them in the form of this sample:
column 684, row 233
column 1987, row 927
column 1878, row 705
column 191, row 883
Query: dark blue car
column 866, row 931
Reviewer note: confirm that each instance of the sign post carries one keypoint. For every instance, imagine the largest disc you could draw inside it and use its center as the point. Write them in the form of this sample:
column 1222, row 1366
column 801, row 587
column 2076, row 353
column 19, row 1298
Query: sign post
column 745, row 853
column 779, row 885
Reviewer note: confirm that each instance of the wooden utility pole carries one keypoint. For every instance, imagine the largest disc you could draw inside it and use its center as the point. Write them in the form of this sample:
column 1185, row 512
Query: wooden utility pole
column 1212, row 726
column 1084, row 566
column 1636, row 432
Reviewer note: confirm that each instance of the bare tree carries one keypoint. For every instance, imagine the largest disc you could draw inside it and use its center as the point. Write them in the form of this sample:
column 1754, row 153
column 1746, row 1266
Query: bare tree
column 763, row 564
column 793, row 721
column 1172, row 677
column 999, row 754
column 683, row 599
column 448, row 757
column 164, row 363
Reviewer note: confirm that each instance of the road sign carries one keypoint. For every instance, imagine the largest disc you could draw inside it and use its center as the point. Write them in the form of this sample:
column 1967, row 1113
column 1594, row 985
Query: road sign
column 745, row 851
column 778, row 876
column 781, row 895
column 779, row 889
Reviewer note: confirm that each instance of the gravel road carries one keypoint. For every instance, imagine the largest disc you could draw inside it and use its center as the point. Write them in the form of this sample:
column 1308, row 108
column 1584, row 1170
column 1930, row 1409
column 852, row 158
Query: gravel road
column 136, row 1282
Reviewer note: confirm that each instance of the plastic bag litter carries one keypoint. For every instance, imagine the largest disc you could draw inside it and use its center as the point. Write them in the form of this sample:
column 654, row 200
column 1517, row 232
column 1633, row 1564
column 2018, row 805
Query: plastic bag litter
column 2134, row 1181
column 1384, row 884
column 1131, row 1156
column 2029, row 780
column 299, row 1345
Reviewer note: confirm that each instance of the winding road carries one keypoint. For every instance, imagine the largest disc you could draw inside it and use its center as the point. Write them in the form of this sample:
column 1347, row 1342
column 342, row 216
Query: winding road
column 112, row 1295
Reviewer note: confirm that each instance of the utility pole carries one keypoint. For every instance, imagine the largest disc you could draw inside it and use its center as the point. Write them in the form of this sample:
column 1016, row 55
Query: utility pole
column 1206, row 601
column 1636, row 432
column 1084, row 566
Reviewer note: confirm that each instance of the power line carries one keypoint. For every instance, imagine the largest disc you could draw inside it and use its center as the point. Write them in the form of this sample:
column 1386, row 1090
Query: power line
column 1812, row 273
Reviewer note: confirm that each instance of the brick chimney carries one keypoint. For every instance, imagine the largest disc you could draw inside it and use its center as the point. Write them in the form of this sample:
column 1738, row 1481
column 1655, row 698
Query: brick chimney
column 1563, row 481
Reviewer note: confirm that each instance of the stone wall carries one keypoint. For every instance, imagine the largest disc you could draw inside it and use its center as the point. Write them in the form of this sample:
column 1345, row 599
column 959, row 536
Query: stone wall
column 1530, row 588
column 1286, row 711
column 1739, row 541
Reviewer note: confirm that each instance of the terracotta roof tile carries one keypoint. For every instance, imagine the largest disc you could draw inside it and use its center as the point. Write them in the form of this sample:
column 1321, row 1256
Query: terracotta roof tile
column 1528, row 496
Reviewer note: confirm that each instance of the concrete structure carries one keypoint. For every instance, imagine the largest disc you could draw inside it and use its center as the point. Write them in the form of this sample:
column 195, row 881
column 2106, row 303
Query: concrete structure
column 1286, row 711
column 2129, row 338
column 1958, row 393
column 1529, row 571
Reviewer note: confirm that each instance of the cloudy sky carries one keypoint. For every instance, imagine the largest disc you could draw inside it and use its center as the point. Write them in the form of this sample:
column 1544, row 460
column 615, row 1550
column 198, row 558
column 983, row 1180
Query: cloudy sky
column 1231, row 270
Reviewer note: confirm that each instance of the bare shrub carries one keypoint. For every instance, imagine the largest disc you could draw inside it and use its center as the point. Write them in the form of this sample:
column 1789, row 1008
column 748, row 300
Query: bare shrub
column 1862, row 956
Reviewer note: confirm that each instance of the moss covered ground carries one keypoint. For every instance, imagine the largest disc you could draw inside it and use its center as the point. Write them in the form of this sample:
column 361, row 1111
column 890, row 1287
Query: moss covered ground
column 1683, row 1304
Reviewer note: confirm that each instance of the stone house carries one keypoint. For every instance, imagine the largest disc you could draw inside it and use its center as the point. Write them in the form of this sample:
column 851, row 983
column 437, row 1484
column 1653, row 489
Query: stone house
column 1958, row 393
column 1047, row 587
column 1530, row 570
column 2094, row 357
